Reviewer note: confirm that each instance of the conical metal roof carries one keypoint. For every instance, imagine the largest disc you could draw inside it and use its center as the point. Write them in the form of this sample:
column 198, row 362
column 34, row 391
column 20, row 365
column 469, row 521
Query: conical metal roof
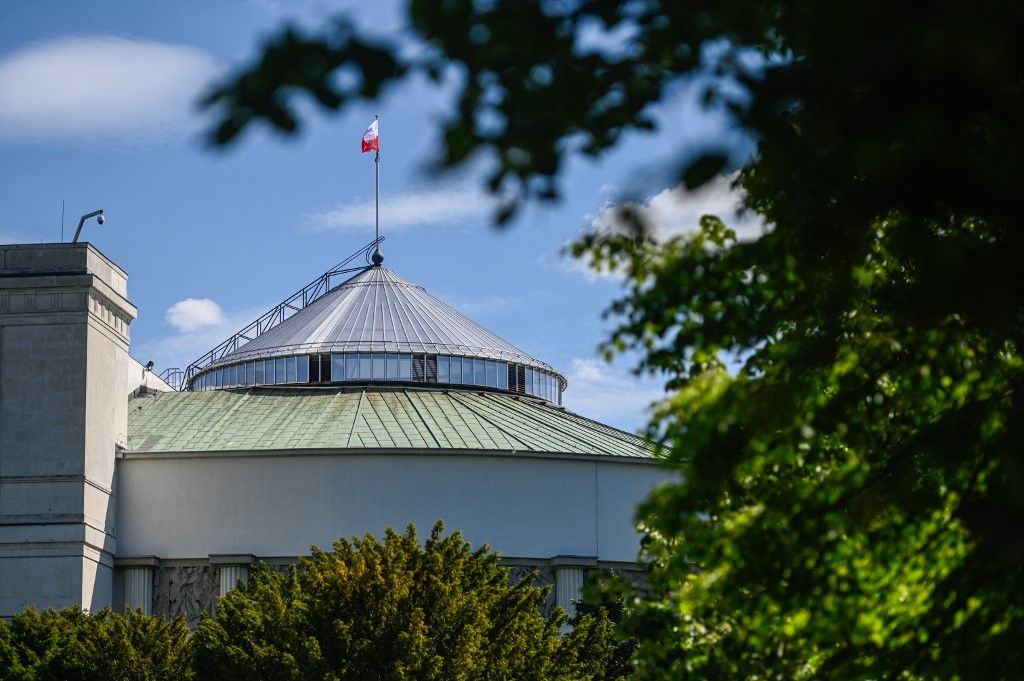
column 379, row 311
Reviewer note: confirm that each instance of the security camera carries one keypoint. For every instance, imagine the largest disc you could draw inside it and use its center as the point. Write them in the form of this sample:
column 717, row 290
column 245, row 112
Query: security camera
column 100, row 219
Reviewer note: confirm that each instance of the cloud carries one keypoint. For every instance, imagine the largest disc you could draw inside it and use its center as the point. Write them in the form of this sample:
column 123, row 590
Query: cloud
column 193, row 314
column 676, row 211
column 183, row 346
column 673, row 212
column 106, row 86
column 431, row 208
column 598, row 391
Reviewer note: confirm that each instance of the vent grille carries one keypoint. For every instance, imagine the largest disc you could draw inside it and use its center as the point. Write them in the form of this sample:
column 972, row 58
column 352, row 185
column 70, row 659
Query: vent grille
column 424, row 368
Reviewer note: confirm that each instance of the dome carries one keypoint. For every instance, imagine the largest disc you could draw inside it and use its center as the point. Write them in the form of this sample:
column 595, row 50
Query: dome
column 377, row 327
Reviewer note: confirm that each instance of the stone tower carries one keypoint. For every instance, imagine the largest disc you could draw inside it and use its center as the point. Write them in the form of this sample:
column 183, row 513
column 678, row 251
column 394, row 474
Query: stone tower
column 65, row 374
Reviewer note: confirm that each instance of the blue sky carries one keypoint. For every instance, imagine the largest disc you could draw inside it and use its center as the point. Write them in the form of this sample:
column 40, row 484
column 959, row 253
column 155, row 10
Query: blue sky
column 97, row 107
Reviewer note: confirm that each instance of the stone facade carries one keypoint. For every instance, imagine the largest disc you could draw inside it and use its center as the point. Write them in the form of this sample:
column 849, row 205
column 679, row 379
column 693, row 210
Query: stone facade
column 64, row 320
column 191, row 588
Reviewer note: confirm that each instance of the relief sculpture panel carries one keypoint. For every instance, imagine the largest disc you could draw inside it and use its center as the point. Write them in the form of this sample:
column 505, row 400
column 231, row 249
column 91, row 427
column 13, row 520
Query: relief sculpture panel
column 187, row 590
column 545, row 577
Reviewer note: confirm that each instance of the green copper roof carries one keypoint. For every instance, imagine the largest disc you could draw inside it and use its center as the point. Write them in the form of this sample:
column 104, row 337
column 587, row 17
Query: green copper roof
column 267, row 419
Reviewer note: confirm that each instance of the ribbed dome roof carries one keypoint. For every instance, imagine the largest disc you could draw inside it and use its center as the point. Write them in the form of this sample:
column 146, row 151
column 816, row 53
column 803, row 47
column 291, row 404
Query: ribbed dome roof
column 379, row 311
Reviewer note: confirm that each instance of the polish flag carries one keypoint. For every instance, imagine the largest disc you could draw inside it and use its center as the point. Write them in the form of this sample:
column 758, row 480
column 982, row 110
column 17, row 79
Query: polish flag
column 371, row 138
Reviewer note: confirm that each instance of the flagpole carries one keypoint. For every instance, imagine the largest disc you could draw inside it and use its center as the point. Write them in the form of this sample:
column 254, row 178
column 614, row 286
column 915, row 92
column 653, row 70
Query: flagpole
column 378, row 257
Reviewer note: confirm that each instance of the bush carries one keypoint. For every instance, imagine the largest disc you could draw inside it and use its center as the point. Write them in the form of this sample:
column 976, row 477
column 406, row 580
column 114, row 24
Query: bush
column 396, row 610
column 72, row 644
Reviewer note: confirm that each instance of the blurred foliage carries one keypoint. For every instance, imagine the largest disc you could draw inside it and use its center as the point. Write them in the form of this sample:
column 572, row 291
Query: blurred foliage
column 71, row 644
column 853, row 504
column 396, row 610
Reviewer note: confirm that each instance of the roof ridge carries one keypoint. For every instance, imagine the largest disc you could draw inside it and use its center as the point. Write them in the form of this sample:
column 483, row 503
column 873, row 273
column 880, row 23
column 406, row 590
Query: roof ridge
column 458, row 398
column 560, row 427
column 355, row 418
column 405, row 393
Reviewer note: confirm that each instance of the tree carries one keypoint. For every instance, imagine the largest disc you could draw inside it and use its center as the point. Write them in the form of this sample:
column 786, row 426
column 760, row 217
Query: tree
column 71, row 644
column 853, row 504
column 396, row 610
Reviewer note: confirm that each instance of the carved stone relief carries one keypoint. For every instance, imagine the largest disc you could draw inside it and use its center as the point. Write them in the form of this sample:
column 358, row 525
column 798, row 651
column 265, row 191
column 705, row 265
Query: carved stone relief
column 188, row 590
column 191, row 590
column 545, row 577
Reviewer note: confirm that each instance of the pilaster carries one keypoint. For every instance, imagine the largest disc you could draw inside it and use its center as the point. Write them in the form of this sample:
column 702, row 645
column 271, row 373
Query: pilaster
column 233, row 568
column 570, row 572
column 139, row 575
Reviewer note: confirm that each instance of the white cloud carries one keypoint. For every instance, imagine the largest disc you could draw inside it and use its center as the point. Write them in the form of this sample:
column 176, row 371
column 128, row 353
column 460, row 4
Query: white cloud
column 181, row 347
column 676, row 211
column 105, row 86
column 193, row 314
column 673, row 212
column 596, row 390
column 431, row 208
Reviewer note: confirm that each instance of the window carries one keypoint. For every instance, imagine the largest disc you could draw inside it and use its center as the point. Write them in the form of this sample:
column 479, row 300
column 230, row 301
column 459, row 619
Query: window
column 302, row 365
column 351, row 367
column 338, row 372
column 405, row 367
column 392, row 367
column 260, row 373
column 290, row 371
column 492, row 373
column 443, row 375
column 431, row 366
column 279, row 370
column 314, row 369
column 455, row 370
column 325, row 368
column 378, row 366
column 419, row 369
column 365, row 365
column 250, row 373
column 529, row 381
column 502, row 375
column 479, row 372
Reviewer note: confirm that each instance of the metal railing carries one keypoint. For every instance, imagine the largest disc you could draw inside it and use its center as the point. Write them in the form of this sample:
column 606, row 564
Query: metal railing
column 173, row 376
column 288, row 307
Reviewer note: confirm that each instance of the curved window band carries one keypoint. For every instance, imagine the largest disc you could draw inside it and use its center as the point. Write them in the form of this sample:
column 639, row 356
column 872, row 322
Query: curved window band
column 383, row 367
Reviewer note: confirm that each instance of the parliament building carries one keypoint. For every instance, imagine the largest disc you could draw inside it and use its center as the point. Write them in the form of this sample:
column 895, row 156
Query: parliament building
column 361, row 402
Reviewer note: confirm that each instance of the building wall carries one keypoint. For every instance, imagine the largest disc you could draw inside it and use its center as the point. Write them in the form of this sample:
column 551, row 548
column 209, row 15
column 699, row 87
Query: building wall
column 178, row 506
column 188, row 518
